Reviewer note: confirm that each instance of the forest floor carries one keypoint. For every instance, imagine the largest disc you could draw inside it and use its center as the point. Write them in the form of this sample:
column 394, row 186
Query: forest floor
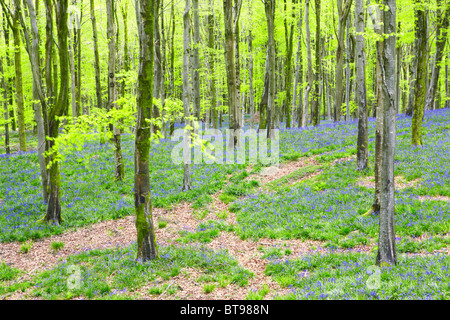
column 113, row 233
column 295, row 231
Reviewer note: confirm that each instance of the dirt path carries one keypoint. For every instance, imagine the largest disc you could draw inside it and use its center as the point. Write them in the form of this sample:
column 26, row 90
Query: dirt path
column 109, row 234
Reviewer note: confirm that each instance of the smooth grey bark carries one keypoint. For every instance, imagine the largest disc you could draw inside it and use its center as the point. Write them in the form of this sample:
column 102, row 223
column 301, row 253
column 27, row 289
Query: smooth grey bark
column 231, row 70
column 269, row 6
column 442, row 25
column 250, row 71
column 186, row 96
column 5, row 107
column 347, row 72
column 157, row 64
column 377, row 23
column 196, row 61
column 98, row 88
column 447, row 89
column 343, row 11
column 315, row 114
column 309, row 61
column 299, row 71
column 361, row 96
column 386, row 242
column 119, row 171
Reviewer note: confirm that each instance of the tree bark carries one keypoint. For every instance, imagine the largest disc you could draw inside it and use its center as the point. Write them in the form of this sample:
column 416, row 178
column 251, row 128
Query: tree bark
column 316, row 96
column 53, row 213
column 96, row 56
column 442, row 25
column 18, row 70
column 270, row 17
column 420, row 86
column 146, row 242
column 5, row 107
column 363, row 130
column 119, row 171
column 386, row 242
column 343, row 14
column 310, row 72
column 289, row 40
column 186, row 97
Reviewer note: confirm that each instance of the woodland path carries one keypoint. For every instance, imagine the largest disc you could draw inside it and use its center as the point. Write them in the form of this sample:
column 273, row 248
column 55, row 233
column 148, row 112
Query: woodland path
column 112, row 233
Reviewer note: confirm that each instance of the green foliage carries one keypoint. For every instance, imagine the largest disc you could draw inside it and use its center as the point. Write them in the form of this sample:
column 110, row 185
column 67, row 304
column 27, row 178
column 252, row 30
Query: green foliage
column 26, row 246
column 57, row 245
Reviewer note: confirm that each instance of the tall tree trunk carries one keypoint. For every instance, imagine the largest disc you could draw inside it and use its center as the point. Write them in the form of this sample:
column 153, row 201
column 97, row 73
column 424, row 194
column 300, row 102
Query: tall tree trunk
column 119, row 171
column 447, row 88
column 299, row 71
column 5, row 107
column 10, row 80
column 442, row 25
column 18, row 70
column 146, row 242
column 53, row 213
column 347, row 73
column 343, row 14
column 316, row 96
column 309, row 60
column 157, row 65
column 212, row 59
column 172, row 63
column 420, row 86
column 73, row 76
column 363, row 130
column 289, row 40
column 196, row 61
column 186, row 97
column 98, row 87
column 231, row 69
column 386, row 242
column 270, row 17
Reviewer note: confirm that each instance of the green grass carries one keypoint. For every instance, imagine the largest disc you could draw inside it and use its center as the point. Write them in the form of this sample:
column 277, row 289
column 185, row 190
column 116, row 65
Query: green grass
column 57, row 245
column 258, row 295
column 103, row 273
column 351, row 275
column 205, row 232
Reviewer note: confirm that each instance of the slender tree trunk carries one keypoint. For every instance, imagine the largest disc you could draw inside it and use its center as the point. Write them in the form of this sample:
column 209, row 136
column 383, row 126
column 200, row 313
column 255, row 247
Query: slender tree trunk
column 53, row 213
column 270, row 17
column 386, row 242
column 18, row 83
column 420, row 86
column 309, row 59
column 96, row 56
column 363, row 130
column 72, row 78
column 10, row 80
column 347, row 73
column 442, row 25
column 299, row 72
column 5, row 107
column 231, row 68
column 146, row 242
column 250, row 71
column 212, row 68
column 316, row 96
column 119, row 171
column 447, row 88
column 343, row 14
column 289, row 40
column 157, row 65
column 186, row 97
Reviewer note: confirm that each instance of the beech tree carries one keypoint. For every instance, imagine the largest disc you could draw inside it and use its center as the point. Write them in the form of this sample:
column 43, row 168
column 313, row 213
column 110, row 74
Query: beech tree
column 386, row 242
column 146, row 242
